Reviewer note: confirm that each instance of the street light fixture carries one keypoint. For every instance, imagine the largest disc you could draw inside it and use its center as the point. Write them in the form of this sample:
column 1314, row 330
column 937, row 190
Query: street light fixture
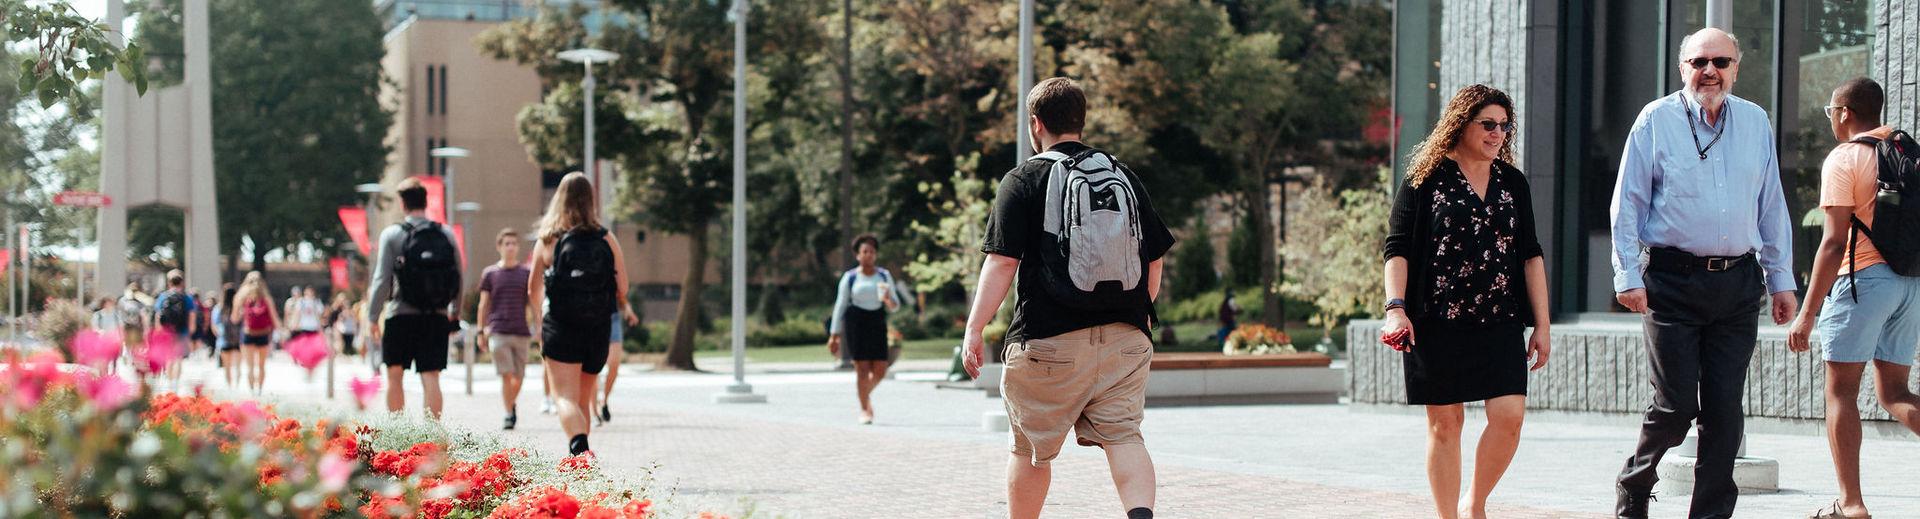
column 449, row 152
column 587, row 57
column 466, row 210
column 373, row 191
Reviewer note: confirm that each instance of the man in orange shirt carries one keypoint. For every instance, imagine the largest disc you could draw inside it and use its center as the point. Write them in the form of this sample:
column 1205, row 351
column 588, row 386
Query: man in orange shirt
column 1872, row 313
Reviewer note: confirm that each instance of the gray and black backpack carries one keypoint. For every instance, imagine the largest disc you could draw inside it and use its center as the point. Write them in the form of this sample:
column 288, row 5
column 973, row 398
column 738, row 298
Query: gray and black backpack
column 1092, row 233
column 1896, row 224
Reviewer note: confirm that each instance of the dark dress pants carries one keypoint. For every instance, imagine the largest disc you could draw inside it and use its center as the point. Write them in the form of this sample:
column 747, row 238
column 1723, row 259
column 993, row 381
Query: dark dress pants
column 1700, row 327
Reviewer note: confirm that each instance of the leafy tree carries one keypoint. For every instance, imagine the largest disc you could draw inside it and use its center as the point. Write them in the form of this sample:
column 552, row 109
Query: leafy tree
column 296, row 97
column 1336, row 266
column 67, row 49
column 1192, row 271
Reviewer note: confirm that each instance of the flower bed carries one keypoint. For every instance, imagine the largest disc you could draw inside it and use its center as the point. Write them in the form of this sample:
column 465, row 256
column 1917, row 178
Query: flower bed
column 1257, row 339
column 75, row 443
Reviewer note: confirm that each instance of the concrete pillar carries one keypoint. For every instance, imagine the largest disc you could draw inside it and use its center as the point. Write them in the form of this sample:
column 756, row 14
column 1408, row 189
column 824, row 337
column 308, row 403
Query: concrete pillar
column 203, row 224
column 111, row 227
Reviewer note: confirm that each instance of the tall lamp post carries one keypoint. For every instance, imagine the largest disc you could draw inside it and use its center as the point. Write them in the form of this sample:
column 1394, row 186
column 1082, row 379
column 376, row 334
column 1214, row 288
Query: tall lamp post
column 466, row 210
column 740, row 391
column 587, row 57
column 449, row 152
column 372, row 190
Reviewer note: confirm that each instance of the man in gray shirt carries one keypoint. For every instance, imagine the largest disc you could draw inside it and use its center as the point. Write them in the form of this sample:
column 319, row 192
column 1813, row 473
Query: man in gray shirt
column 413, row 333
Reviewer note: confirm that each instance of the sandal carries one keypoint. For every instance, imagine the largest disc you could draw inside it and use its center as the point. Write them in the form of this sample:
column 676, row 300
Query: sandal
column 1832, row 511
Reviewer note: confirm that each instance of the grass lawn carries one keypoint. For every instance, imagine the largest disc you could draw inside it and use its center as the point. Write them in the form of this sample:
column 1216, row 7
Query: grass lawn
column 940, row 349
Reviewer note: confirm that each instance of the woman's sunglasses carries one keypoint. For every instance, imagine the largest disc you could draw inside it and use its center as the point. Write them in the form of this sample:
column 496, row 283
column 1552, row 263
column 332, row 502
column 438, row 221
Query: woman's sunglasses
column 1491, row 125
column 1720, row 63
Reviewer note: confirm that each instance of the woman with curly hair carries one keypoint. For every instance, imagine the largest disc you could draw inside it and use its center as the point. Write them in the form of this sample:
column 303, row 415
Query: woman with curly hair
column 1465, row 276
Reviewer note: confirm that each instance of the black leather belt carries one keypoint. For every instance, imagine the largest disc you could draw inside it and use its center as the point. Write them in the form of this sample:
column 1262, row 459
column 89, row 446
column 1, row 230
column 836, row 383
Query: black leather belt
column 1676, row 260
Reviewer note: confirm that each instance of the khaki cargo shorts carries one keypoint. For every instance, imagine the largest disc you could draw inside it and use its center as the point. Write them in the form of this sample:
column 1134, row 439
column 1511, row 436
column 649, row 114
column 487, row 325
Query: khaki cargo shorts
column 1092, row 380
column 510, row 353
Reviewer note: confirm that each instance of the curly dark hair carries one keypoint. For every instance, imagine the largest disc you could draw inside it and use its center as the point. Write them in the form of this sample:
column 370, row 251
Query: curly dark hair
column 1452, row 124
column 868, row 239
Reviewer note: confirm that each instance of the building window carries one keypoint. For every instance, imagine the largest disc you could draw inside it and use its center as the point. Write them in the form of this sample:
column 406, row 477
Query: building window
column 444, row 78
column 1825, row 42
column 430, row 84
column 429, row 155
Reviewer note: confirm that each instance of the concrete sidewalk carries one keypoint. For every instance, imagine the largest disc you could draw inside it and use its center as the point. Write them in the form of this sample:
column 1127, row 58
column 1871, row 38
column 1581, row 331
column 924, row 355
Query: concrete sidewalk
column 802, row 454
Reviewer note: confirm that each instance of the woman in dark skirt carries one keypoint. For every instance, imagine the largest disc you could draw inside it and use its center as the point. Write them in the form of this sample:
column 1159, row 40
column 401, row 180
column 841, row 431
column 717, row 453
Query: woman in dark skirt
column 573, row 304
column 866, row 294
column 1464, row 278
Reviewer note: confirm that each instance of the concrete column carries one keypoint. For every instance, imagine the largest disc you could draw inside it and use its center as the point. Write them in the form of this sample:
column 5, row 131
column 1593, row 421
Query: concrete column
column 203, row 225
column 111, row 227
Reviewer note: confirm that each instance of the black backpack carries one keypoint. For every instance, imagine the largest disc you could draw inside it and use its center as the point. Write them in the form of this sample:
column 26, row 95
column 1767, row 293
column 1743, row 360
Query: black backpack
column 580, row 283
column 1896, row 224
column 171, row 310
column 429, row 268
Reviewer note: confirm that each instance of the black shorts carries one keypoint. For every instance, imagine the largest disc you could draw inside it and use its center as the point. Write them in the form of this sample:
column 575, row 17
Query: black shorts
column 346, row 344
column 418, row 342
column 583, row 343
column 258, row 341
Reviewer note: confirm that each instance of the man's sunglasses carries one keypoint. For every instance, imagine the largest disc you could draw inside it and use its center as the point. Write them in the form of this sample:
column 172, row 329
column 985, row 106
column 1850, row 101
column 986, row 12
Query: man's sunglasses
column 1720, row 63
column 1491, row 125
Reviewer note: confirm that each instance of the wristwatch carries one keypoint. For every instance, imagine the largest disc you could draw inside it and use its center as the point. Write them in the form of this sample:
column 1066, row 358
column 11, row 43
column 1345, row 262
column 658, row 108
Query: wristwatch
column 1394, row 303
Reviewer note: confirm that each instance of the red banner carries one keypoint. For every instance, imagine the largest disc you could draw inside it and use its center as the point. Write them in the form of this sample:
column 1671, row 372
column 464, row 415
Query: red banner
column 436, row 198
column 355, row 219
column 338, row 266
column 6, row 258
column 460, row 240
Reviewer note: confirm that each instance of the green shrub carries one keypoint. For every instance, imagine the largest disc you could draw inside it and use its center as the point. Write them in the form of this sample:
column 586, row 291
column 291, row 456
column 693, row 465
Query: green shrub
column 60, row 322
column 792, row 332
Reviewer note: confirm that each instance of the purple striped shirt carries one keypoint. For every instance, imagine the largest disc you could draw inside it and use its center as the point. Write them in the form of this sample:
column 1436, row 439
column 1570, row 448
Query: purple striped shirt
column 506, row 290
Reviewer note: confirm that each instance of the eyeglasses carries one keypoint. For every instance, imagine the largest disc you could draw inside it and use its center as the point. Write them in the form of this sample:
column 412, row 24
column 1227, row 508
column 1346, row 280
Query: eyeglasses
column 1832, row 111
column 1491, row 125
column 1720, row 63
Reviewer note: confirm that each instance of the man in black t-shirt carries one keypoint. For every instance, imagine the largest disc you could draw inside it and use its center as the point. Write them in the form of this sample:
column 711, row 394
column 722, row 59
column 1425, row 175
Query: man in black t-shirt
column 1077, row 351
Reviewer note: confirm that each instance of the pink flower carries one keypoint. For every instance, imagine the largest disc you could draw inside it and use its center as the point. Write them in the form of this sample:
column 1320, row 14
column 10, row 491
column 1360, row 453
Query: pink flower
column 29, row 381
column 107, row 392
column 96, row 349
column 162, row 349
column 308, row 350
column 334, row 472
column 365, row 389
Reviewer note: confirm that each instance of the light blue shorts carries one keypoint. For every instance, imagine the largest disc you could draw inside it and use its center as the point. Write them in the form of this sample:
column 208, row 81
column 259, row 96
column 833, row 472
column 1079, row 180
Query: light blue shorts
column 1883, row 325
column 619, row 329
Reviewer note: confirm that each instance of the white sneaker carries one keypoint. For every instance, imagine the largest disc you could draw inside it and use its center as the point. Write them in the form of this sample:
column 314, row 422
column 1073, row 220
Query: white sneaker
column 547, row 408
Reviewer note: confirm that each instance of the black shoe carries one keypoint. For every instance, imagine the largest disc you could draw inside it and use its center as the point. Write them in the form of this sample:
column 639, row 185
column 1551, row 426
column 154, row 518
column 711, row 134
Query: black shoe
column 511, row 420
column 1632, row 504
column 578, row 445
column 605, row 416
column 1140, row 513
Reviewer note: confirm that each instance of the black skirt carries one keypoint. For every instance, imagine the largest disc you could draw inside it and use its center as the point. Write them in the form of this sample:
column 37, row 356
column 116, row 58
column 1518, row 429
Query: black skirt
column 1451, row 364
column 864, row 333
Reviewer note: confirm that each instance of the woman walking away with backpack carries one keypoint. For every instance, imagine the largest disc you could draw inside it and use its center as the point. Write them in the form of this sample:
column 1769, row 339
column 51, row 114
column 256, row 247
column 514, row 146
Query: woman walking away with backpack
column 226, row 331
column 860, row 320
column 253, row 308
column 576, row 273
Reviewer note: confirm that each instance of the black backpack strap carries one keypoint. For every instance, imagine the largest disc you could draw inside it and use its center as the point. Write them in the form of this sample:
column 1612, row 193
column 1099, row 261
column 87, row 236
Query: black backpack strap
column 1854, row 229
column 1867, row 140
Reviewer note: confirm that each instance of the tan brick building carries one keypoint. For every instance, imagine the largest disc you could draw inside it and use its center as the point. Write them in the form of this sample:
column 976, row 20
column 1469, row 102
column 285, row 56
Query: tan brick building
column 445, row 92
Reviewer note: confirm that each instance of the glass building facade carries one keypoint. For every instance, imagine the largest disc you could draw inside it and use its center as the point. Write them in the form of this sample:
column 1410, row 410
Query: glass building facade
column 1604, row 68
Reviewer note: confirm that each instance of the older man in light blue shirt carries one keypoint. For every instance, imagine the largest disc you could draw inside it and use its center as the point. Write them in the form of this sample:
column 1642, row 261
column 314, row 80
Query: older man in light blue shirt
column 1701, row 235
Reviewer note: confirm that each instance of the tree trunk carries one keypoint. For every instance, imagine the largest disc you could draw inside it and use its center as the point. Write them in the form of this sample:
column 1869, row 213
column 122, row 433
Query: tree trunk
column 259, row 260
column 1271, row 314
column 233, row 268
column 686, row 321
column 846, row 133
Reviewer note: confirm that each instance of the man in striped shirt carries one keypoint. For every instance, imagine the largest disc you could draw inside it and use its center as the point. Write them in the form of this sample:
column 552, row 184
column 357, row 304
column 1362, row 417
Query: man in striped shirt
column 503, row 303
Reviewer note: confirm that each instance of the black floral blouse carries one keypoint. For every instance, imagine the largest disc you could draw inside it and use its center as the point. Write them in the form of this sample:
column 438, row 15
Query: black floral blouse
column 1466, row 253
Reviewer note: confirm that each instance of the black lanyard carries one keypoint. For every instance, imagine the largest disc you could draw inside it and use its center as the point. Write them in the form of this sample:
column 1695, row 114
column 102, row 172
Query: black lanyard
column 1694, row 132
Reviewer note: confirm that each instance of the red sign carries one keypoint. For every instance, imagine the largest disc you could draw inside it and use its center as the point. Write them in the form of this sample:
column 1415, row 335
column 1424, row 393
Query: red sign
column 338, row 266
column 6, row 258
column 355, row 220
column 460, row 240
column 436, row 198
column 82, row 199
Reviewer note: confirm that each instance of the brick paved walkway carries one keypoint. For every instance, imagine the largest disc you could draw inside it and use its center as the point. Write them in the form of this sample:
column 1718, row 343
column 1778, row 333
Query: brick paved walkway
column 802, row 455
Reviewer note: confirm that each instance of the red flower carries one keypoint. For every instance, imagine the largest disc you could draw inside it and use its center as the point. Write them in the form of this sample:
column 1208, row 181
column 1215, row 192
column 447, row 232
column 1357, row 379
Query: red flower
column 637, row 509
column 573, row 463
column 272, row 474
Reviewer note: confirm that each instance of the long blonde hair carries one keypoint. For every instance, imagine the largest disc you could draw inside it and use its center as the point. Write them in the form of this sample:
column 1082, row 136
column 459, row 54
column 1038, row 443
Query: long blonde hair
column 1453, row 122
column 254, row 287
column 573, row 206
